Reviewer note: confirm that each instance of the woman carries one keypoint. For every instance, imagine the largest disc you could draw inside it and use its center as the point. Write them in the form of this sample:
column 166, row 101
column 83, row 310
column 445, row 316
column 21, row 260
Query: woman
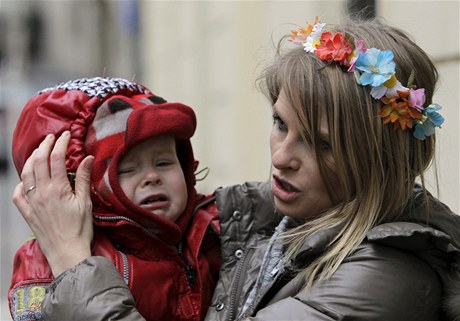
column 353, row 130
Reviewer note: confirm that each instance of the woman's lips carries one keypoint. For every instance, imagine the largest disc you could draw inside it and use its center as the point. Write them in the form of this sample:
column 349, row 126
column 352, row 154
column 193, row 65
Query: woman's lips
column 284, row 191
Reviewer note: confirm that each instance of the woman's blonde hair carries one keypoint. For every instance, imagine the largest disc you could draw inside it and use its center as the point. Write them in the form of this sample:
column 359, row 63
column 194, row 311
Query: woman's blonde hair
column 375, row 165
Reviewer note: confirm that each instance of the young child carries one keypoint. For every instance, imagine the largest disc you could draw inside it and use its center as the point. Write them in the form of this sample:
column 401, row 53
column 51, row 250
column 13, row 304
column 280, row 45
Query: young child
column 149, row 220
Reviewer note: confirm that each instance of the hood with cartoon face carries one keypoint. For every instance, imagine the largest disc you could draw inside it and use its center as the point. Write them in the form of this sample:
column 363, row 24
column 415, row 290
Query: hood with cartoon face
column 106, row 117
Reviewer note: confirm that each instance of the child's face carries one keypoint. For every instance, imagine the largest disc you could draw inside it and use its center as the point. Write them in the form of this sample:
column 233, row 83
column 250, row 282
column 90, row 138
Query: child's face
column 151, row 176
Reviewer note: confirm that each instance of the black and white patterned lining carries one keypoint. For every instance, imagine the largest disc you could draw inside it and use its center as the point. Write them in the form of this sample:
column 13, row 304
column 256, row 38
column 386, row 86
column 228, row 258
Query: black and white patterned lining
column 98, row 86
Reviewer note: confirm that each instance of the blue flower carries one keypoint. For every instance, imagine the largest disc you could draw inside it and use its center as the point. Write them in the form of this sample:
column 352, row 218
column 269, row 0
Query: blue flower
column 431, row 120
column 376, row 67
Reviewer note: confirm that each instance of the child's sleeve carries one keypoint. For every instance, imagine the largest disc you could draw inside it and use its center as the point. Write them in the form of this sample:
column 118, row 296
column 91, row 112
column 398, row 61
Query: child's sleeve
column 30, row 280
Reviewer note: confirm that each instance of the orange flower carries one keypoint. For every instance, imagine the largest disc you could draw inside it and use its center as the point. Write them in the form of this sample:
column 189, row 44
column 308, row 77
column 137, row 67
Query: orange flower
column 397, row 111
column 300, row 36
column 334, row 47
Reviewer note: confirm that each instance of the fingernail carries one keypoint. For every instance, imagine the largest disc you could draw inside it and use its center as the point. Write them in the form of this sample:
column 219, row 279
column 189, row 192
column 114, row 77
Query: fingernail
column 89, row 163
column 66, row 133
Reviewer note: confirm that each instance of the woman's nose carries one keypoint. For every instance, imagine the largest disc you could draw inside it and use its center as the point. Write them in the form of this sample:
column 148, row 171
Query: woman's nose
column 285, row 155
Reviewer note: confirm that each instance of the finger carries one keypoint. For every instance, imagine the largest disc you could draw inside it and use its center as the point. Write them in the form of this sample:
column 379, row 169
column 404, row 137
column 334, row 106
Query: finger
column 27, row 174
column 58, row 158
column 41, row 157
column 83, row 178
column 20, row 201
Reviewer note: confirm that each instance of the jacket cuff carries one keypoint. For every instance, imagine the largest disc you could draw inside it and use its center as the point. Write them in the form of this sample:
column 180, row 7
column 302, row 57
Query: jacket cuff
column 90, row 262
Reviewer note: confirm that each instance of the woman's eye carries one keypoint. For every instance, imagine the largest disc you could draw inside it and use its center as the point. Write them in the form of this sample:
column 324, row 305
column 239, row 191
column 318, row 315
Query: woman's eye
column 325, row 145
column 279, row 123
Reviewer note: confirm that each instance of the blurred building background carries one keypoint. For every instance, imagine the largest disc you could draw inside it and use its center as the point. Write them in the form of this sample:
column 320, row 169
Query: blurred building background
column 204, row 53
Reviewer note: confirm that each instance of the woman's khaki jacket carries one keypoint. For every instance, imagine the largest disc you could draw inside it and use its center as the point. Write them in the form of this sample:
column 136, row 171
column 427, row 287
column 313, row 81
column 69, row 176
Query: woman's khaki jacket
column 404, row 270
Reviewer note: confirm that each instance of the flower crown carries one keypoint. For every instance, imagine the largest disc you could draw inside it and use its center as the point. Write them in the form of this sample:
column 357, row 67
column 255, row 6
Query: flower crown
column 402, row 106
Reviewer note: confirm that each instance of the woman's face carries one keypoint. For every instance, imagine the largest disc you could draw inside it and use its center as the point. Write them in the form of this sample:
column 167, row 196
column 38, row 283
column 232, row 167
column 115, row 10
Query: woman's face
column 298, row 188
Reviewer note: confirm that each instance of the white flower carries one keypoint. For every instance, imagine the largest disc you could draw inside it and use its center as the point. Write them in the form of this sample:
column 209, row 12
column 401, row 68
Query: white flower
column 313, row 38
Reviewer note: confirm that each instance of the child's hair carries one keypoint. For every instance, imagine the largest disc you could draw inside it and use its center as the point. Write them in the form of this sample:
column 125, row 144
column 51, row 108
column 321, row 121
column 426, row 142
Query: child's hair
column 376, row 165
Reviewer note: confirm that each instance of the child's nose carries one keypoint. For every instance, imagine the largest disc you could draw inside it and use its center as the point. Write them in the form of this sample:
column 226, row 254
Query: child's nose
column 152, row 177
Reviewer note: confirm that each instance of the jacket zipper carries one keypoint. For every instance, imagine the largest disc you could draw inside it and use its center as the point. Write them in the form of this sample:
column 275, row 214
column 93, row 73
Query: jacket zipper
column 125, row 267
column 275, row 286
column 189, row 270
column 124, row 218
column 235, row 290
column 126, row 272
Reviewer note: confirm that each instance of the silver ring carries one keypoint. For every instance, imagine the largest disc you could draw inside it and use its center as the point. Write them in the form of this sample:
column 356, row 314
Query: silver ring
column 30, row 189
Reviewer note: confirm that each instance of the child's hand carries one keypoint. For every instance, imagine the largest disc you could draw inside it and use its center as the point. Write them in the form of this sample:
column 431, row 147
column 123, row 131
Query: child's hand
column 60, row 218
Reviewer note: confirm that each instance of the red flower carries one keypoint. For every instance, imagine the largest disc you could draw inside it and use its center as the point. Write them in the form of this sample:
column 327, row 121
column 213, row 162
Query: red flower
column 334, row 47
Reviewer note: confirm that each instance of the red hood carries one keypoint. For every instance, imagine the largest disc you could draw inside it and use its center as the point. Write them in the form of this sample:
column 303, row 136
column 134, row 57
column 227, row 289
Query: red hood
column 106, row 117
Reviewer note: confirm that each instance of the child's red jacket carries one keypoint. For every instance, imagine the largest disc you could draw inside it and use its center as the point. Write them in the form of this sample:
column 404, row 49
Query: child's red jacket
column 170, row 267
column 167, row 283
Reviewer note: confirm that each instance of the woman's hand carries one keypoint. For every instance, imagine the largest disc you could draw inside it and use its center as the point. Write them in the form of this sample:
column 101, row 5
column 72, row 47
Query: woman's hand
column 60, row 218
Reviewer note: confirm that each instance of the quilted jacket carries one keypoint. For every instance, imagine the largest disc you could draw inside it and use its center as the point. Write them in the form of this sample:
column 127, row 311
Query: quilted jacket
column 405, row 270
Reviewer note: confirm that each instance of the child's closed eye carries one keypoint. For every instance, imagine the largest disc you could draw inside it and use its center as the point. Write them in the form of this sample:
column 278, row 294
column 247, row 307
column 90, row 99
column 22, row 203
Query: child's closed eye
column 164, row 163
column 125, row 170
